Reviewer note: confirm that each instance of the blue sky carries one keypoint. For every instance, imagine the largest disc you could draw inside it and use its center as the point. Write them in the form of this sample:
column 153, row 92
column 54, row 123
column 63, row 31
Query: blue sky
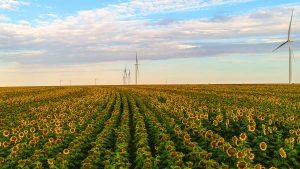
column 218, row 41
column 34, row 9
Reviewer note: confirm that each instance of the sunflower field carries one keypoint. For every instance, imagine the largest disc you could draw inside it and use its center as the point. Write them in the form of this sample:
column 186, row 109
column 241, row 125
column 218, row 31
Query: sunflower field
column 150, row 126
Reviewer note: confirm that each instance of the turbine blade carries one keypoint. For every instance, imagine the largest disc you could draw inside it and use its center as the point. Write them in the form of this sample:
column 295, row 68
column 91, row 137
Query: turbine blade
column 136, row 59
column 290, row 26
column 280, row 46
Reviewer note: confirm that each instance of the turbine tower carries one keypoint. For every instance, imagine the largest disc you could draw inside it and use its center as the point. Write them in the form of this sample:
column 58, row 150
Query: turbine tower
column 289, row 42
column 125, row 77
column 136, row 68
column 128, row 78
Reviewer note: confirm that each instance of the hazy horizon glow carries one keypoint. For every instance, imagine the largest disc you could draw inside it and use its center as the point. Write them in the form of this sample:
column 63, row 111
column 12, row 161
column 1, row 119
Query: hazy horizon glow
column 178, row 41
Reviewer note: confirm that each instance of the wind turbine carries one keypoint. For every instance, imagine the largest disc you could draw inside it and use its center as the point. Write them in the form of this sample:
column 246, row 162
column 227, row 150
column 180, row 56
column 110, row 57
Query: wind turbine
column 289, row 42
column 125, row 76
column 129, row 78
column 136, row 68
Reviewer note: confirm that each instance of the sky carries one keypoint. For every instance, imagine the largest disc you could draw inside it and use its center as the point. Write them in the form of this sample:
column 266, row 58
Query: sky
column 43, row 42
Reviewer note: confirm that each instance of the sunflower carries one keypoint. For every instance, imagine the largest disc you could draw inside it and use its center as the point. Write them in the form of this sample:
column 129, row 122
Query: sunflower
column 270, row 122
column 32, row 142
column 66, row 151
column 208, row 134
column 177, row 129
column 187, row 137
column 189, row 164
column 251, row 128
column 231, row 151
column 282, row 153
column 241, row 164
column 298, row 132
column 206, row 116
column 225, row 167
column 215, row 122
column 235, row 118
column 33, row 158
column 39, row 165
column 50, row 161
column 2, row 160
column 58, row 130
column 273, row 167
column 13, row 139
column 226, row 147
column 32, row 129
column 58, row 141
column 240, row 154
column 251, row 156
column 220, row 143
column 227, row 122
column 263, row 146
column 270, row 130
column 292, row 139
column 179, row 163
column 234, row 139
column 45, row 131
column 243, row 136
column 25, row 131
column 202, row 116
column 51, row 140
column 21, row 135
column 4, row 144
column 13, row 154
column 258, row 166
column 5, row 133
column 292, row 131
column 214, row 144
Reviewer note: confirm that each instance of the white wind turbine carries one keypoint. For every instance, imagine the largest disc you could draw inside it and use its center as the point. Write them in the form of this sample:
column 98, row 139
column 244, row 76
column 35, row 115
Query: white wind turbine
column 136, row 68
column 129, row 78
column 125, row 77
column 289, row 42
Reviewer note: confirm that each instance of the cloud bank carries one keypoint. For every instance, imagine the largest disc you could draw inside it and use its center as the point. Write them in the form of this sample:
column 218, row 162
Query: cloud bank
column 116, row 32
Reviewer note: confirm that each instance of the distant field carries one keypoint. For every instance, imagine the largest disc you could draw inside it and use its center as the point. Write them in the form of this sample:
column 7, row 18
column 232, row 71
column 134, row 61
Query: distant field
column 174, row 126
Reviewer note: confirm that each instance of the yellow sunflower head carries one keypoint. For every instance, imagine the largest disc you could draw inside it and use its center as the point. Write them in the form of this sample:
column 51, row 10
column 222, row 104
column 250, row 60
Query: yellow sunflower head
column 263, row 146
column 241, row 164
column 66, row 151
column 282, row 153
column 243, row 136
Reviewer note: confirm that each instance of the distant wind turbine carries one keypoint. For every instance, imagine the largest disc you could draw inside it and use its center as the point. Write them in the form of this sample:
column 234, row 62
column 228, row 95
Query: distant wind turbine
column 125, row 77
column 289, row 42
column 129, row 78
column 136, row 68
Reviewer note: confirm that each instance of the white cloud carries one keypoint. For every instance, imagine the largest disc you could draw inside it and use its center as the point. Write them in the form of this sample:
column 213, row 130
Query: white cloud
column 4, row 18
column 11, row 4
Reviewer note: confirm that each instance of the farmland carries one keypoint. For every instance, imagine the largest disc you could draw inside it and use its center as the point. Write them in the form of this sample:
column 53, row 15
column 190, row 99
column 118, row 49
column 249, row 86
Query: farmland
column 173, row 126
